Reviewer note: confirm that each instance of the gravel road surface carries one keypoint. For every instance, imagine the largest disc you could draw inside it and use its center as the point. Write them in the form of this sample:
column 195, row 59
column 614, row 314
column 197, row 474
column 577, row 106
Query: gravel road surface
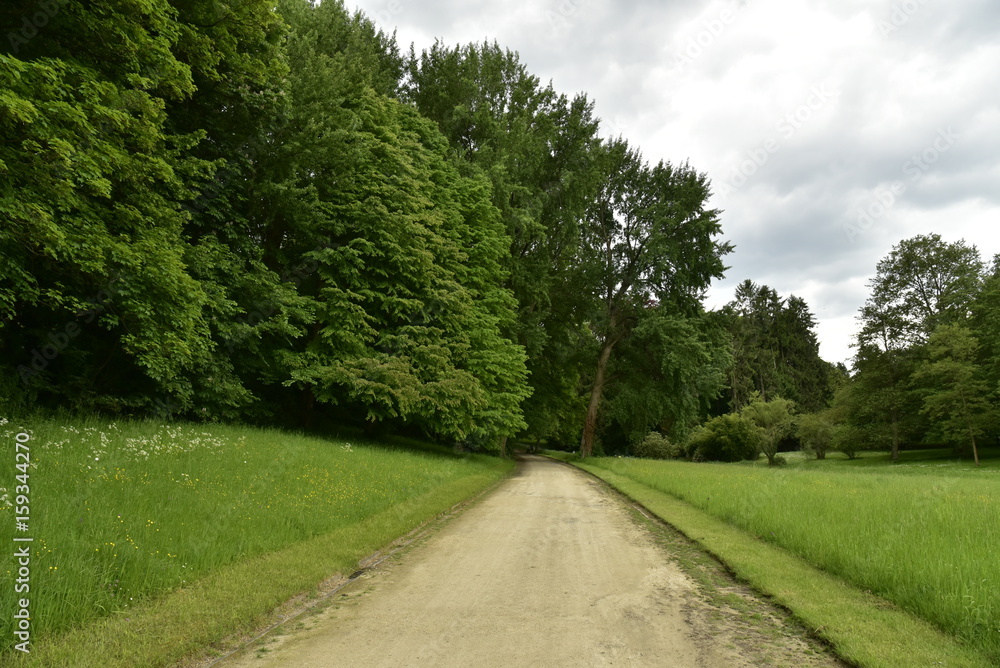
column 549, row 569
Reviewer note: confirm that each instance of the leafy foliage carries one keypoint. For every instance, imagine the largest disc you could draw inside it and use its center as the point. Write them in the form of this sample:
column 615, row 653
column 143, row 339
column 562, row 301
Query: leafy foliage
column 774, row 418
column 407, row 291
column 848, row 439
column 922, row 285
column 93, row 182
column 815, row 432
column 665, row 374
column 233, row 205
column 648, row 241
column 775, row 349
column 726, row 438
column 656, row 446
column 956, row 396
column 538, row 149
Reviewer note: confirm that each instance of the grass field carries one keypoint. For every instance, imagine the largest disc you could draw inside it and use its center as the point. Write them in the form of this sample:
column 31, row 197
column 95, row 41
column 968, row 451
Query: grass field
column 923, row 533
column 124, row 513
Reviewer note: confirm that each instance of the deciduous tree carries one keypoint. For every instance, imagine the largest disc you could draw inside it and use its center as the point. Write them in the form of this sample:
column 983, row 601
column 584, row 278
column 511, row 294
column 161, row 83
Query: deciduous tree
column 954, row 395
column 538, row 149
column 666, row 374
column 648, row 236
column 408, row 288
column 775, row 419
column 923, row 283
column 815, row 432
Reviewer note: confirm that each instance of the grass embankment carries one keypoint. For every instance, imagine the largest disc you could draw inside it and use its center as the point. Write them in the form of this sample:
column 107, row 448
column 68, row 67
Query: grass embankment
column 923, row 536
column 152, row 540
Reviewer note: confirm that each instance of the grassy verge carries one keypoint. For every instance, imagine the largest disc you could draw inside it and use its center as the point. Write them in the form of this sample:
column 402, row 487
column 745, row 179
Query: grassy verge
column 152, row 540
column 863, row 628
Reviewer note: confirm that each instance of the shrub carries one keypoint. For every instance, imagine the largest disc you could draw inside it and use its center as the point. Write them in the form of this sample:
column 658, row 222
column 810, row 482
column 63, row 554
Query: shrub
column 847, row 439
column 656, row 446
column 774, row 419
column 816, row 432
column 727, row 438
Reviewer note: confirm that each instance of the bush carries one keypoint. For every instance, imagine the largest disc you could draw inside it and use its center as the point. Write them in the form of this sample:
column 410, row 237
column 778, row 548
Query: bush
column 656, row 446
column 727, row 438
column 847, row 439
column 816, row 433
column 774, row 420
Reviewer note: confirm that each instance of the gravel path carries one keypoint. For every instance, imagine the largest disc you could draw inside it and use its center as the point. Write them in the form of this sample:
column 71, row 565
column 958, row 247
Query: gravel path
column 549, row 569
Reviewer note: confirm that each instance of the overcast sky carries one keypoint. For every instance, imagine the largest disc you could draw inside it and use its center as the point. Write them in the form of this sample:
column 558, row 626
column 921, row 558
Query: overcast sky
column 830, row 129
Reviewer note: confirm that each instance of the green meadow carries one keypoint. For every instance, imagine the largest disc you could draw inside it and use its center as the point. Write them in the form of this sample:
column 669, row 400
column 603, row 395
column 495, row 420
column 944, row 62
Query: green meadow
column 124, row 513
column 923, row 533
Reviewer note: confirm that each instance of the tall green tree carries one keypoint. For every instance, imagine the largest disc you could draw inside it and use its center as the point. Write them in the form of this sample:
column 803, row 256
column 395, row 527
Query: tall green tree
column 810, row 378
column 775, row 349
column 237, row 58
column 954, row 394
column 648, row 237
column 97, row 302
column 774, row 418
column 407, row 289
column 923, row 283
column 666, row 374
column 753, row 315
column 883, row 405
column 985, row 325
column 538, row 150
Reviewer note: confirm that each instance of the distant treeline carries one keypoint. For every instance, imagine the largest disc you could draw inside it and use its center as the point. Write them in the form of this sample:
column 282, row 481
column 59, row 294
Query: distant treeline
column 927, row 367
column 926, row 371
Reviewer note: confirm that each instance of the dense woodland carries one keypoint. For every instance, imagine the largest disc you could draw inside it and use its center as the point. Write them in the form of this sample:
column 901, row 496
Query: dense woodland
column 276, row 215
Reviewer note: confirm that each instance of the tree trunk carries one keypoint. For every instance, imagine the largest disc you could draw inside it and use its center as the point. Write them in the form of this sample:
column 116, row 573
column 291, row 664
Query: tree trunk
column 894, row 410
column 972, row 430
column 503, row 448
column 590, row 423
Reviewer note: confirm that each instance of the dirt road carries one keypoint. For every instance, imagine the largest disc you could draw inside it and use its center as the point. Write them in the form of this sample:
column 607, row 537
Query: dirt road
column 550, row 569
